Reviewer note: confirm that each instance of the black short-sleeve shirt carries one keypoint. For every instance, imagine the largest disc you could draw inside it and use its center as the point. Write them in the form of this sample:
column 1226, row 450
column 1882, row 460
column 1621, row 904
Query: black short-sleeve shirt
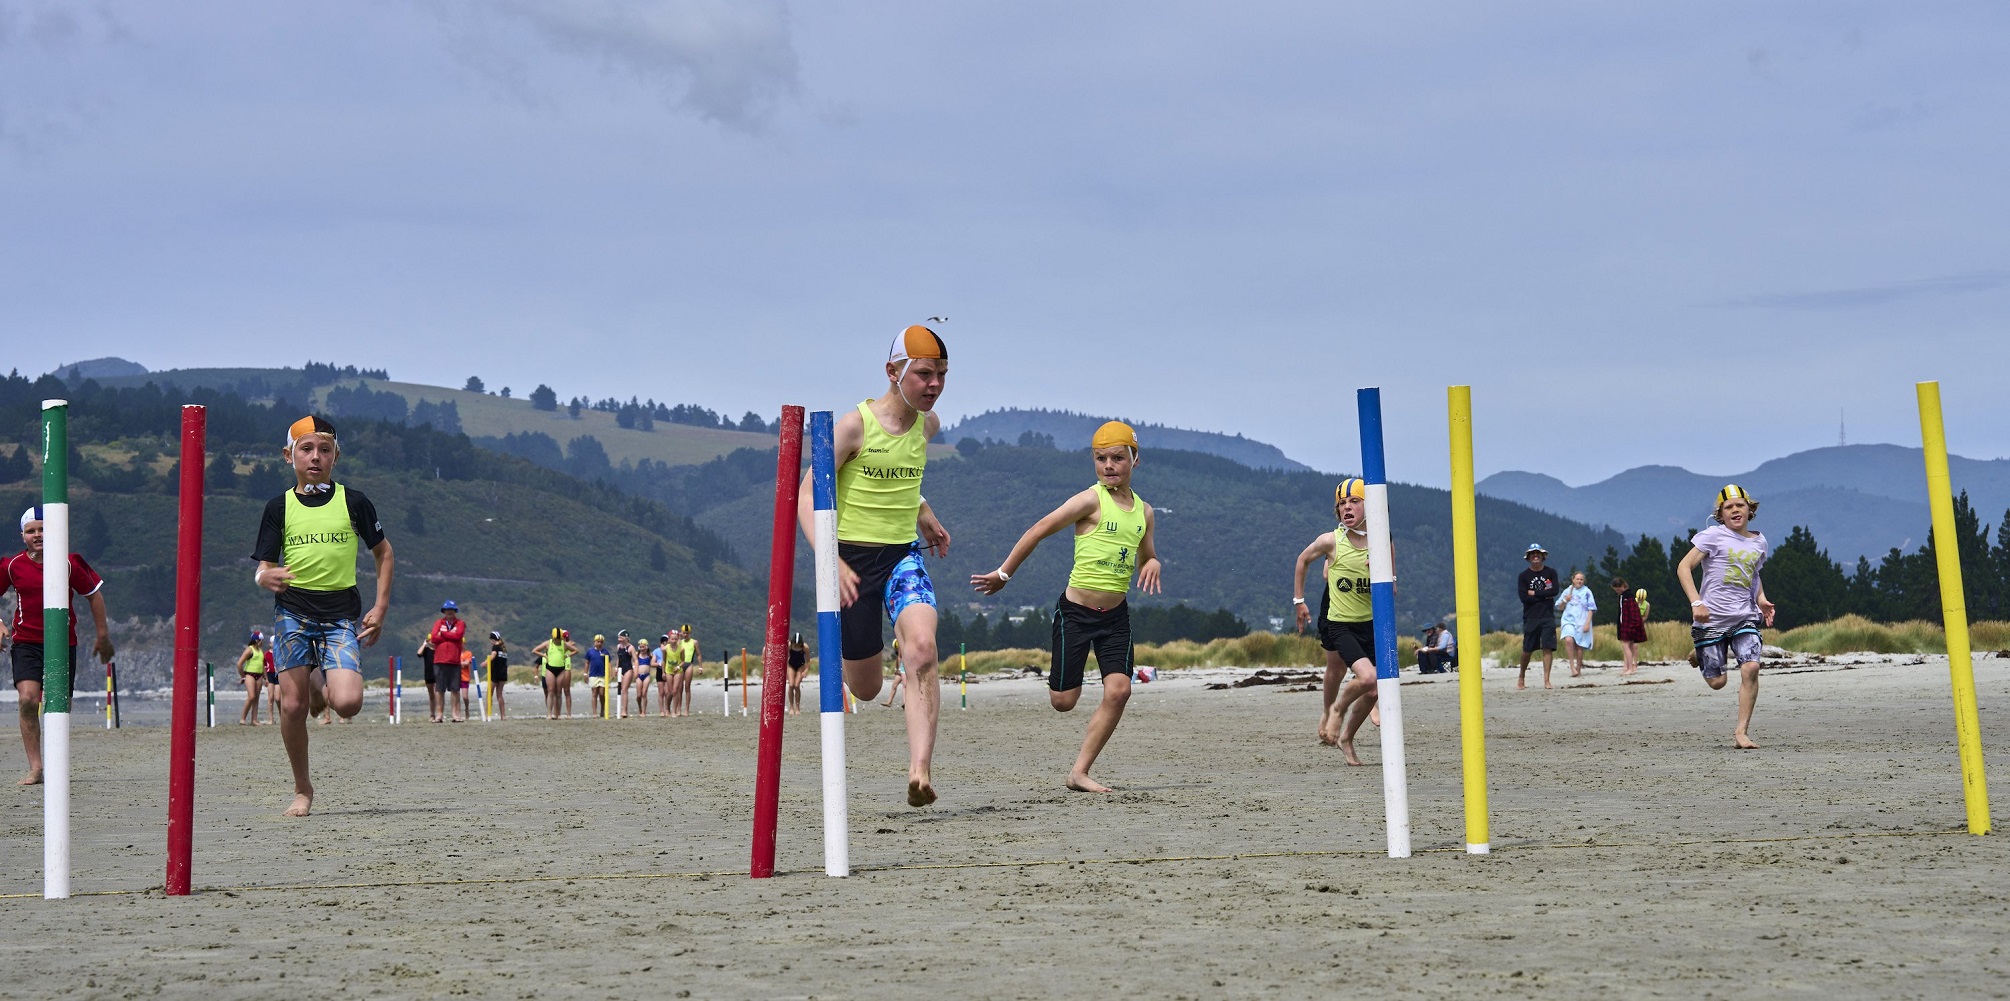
column 320, row 606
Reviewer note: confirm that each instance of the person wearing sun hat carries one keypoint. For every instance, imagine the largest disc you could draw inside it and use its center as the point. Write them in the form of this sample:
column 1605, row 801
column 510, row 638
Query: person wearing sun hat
column 306, row 552
column 1114, row 544
column 883, row 526
column 1537, row 586
column 1730, row 607
column 1346, row 617
column 22, row 574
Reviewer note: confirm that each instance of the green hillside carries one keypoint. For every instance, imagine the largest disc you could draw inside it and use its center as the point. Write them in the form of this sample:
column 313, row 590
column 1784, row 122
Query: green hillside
column 521, row 548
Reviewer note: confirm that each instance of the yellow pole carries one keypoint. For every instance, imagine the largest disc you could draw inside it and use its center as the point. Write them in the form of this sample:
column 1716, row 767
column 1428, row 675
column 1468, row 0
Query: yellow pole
column 1466, row 591
column 1953, row 609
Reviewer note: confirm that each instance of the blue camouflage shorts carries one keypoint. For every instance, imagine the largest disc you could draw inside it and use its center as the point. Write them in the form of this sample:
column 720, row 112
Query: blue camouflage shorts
column 1732, row 643
column 298, row 642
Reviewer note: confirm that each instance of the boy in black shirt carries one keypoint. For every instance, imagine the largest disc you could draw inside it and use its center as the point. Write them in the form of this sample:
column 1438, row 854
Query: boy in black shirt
column 306, row 555
column 1537, row 587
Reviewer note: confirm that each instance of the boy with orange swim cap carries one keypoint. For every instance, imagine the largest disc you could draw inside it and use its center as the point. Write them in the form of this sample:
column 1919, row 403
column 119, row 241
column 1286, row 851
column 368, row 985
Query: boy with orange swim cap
column 1346, row 617
column 883, row 527
column 306, row 553
column 1113, row 543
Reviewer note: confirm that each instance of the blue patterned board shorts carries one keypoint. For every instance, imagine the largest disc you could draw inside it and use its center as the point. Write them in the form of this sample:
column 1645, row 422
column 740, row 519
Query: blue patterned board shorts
column 1739, row 639
column 298, row 642
column 893, row 574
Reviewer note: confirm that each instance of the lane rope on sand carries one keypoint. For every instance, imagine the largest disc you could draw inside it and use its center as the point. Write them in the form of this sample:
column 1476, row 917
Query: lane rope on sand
column 935, row 867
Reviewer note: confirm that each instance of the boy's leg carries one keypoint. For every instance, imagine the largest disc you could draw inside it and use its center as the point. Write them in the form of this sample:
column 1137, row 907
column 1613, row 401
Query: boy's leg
column 1360, row 695
column 1110, row 712
column 1336, row 675
column 916, row 629
column 294, row 694
column 1748, row 699
column 30, row 693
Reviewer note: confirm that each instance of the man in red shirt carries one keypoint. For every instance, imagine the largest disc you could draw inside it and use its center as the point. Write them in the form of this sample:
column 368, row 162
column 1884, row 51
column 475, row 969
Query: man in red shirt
column 22, row 573
column 449, row 637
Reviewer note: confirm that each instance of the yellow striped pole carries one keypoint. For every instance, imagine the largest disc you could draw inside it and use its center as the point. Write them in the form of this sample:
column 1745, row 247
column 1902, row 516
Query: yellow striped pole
column 1466, row 593
column 1953, row 608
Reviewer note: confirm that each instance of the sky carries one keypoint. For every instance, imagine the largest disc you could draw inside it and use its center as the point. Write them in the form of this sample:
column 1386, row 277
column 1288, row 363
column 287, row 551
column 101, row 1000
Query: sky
column 1702, row 235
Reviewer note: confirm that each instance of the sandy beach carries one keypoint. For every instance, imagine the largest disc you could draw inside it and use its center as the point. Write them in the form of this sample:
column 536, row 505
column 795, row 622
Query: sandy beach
column 1635, row 853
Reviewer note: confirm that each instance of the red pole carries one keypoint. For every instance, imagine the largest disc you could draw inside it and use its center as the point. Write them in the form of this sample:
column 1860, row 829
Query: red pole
column 187, row 641
column 781, row 586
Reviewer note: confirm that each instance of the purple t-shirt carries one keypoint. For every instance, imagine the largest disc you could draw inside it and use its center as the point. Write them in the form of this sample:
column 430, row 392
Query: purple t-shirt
column 1731, row 565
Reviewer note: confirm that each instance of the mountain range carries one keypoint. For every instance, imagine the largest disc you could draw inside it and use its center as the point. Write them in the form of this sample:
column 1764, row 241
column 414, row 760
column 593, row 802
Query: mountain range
column 1858, row 500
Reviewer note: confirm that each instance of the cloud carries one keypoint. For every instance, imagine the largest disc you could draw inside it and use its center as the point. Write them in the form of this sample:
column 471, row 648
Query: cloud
column 731, row 62
column 34, row 37
column 1873, row 295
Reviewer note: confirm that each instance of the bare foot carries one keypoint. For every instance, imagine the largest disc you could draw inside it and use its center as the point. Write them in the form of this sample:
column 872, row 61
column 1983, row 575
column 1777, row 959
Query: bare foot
column 1743, row 742
column 920, row 792
column 1519, row 685
column 1347, row 748
column 34, row 778
column 302, row 803
column 1375, row 715
column 1083, row 783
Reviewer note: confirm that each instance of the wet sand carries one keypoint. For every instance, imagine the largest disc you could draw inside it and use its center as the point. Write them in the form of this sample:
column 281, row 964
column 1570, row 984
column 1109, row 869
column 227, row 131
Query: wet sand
column 1635, row 853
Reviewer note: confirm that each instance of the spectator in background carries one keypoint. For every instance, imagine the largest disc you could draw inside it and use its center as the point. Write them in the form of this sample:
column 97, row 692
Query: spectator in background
column 1537, row 587
column 1632, row 624
column 498, row 672
column 251, row 669
column 1577, row 606
column 1437, row 651
column 447, row 640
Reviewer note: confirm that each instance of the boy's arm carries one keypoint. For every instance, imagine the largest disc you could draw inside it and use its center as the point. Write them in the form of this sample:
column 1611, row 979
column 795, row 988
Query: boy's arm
column 1148, row 567
column 104, row 644
column 1685, row 575
column 847, row 437
column 1072, row 510
column 373, row 620
column 926, row 524
column 1321, row 546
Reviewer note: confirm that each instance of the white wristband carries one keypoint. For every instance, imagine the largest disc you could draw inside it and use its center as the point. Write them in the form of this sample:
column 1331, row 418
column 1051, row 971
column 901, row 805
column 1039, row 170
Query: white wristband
column 1298, row 601
column 1695, row 604
column 1002, row 575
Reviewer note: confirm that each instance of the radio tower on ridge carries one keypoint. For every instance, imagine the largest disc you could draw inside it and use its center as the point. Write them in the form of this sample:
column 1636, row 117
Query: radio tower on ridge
column 1842, row 430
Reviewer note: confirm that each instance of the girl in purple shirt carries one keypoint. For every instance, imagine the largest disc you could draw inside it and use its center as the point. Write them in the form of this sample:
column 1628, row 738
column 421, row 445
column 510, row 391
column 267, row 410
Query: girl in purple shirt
column 1731, row 606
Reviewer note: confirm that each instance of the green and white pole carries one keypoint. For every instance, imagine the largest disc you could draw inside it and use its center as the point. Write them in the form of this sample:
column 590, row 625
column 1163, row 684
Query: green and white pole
column 55, row 649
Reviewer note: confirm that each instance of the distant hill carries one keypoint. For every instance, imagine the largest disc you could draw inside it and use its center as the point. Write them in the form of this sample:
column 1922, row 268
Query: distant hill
column 1070, row 431
column 479, row 414
column 100, row 368
column 1858, row 500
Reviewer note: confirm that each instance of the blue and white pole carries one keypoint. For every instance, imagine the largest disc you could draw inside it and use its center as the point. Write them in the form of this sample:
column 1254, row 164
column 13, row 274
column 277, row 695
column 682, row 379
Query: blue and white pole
column 1382, row 594
column 830, row 651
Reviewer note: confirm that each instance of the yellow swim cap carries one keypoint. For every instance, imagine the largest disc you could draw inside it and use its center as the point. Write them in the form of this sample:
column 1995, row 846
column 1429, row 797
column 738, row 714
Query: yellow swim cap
column 1115, row 433
column 1733, row 492
column 1350, row 487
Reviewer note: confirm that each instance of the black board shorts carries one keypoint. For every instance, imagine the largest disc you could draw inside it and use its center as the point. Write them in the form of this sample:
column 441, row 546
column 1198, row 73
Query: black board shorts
column 1352, row 641
column 27, row 658
column 1538, row 636
column 1077, row 629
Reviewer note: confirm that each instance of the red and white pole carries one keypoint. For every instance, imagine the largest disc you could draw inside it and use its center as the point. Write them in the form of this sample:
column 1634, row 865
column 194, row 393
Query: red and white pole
column 187, row 645
column 774, row 655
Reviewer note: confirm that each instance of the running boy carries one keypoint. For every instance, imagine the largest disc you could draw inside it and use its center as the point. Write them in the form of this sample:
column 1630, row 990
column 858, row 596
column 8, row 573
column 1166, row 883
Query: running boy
column 306, row 553
column 1731, row 605
column 883, row 523
column 24, row 578
column 1113, row 543
column 1346, row 617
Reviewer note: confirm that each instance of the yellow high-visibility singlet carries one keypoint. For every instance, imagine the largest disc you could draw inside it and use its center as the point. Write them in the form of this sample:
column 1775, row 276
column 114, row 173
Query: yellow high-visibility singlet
column 557, row 655
column 1347, row 598
column 1106, row 557
column 320, row 543
column 879, row 490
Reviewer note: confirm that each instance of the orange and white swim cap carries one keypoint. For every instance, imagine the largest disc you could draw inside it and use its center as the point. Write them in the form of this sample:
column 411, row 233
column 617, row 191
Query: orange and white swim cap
column 310, row 425
column 916, row 342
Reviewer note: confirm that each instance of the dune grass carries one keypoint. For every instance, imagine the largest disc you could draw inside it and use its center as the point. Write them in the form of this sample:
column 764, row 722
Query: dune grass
column 1665, row 641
